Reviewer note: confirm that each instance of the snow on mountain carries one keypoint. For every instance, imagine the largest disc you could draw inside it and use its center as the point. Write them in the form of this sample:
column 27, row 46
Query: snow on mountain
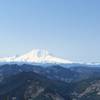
column 7, row 59
column 36, row 56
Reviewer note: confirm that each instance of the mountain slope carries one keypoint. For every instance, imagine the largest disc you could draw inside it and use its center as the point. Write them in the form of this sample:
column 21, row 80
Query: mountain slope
column 31, row 86
column 54, row 72
column 35, row 56
column 87, row 89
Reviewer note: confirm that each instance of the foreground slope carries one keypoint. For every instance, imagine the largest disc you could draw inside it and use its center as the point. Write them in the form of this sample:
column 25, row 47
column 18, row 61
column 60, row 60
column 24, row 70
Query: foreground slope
column 31, row 86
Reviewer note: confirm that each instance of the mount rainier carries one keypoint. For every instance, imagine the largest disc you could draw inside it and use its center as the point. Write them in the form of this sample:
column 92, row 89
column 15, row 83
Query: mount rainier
column 35, row 56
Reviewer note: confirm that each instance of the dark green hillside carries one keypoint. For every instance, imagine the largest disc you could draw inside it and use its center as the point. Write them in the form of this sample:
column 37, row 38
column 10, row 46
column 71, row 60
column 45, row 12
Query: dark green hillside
column 31, row 85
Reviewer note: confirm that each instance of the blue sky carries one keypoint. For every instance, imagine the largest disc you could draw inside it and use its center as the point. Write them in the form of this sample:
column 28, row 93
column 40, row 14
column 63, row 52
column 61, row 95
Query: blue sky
column 67, row 28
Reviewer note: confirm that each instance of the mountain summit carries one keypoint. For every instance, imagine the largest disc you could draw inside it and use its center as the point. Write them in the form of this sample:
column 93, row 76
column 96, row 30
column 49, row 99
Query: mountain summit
column 36, row 56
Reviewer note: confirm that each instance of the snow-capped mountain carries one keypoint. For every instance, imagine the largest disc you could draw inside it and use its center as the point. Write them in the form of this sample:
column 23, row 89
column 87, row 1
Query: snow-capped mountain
column 36, row 56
